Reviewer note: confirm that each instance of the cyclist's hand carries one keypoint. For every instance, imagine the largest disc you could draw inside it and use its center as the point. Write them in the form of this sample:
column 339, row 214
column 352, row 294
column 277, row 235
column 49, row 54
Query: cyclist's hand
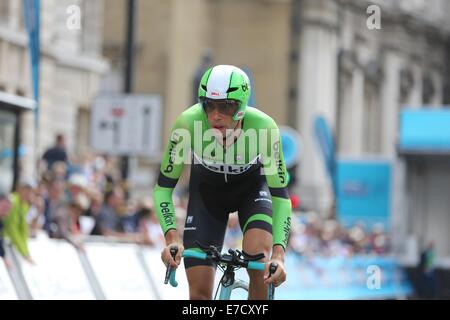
column 167, row 258
column 279, row 276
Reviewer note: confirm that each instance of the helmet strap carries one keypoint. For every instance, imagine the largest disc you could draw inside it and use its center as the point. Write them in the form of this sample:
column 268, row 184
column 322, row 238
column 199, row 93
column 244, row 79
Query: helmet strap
column 235, row 138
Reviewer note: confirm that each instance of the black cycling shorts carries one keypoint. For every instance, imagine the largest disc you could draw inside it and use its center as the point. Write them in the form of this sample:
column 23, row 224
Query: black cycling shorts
column 210, row 205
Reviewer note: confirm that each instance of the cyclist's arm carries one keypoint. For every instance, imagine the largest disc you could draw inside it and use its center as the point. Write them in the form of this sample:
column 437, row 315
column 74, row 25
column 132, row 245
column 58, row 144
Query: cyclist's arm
column 170, row 171
column 276, row 176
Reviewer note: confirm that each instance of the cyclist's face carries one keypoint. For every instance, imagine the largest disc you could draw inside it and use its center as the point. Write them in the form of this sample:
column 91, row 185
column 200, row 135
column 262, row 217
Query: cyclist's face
column 220, row 113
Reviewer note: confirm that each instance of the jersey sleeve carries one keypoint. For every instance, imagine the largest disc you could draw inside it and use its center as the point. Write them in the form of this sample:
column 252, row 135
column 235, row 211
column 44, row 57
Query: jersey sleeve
column 277, row 180
column 170, row 171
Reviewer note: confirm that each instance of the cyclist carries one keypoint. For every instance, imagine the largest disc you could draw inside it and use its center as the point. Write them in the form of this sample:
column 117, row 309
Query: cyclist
column 232, row 169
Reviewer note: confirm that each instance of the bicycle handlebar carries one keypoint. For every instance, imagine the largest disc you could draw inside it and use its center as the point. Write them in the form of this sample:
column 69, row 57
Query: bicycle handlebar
column 224, row 259
column 189, row 253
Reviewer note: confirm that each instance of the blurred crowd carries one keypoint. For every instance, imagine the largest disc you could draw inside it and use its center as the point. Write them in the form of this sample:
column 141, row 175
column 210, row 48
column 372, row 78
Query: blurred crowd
column 312, row 235
column 77, row 200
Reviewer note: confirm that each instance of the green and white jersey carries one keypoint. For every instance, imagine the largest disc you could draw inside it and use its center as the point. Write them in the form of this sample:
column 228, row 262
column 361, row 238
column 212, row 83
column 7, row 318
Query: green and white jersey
column 256, row 151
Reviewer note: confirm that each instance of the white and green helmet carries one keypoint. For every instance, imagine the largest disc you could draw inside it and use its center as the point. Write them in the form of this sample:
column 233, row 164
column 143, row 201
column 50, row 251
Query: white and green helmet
column 226, row 82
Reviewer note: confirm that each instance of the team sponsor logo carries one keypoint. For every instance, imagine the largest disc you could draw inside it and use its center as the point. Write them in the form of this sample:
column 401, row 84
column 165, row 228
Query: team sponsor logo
column 169, row 167
column 263, row 199
column 279, row 163
column 287, row 230
column 189, row 219
column 226, row 168
column 167, row 215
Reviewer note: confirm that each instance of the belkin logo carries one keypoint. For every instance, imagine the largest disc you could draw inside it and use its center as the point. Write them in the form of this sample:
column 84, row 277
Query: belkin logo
column 167, row 215
column 169, row 167
column 287, row 229
column 279, row 163
column 226, row 168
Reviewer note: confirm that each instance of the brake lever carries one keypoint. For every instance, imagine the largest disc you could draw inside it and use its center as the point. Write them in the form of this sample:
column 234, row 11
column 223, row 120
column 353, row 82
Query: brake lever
column 170, row 270
column 272, row 269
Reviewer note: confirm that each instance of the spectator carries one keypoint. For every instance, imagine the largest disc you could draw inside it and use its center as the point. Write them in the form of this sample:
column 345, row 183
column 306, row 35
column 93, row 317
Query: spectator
column 5, row 206
column 65, row 222
column 53, row 203
column 76, row 186
column 427, row 271
column 94, row 212
column 109, row 218
column 150, row 228
column 59, row 170
column 129, row 220
column 56, row 153
column 16, row 226
column 35, row 216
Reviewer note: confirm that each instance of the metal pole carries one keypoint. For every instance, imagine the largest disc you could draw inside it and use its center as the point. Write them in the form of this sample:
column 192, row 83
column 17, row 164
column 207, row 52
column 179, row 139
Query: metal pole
column 16, row 145
column 129, row 69
column 129, row 58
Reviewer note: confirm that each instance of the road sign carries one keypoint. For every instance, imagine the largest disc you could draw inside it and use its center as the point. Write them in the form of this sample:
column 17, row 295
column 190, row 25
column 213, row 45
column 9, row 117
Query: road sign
column 127, row 125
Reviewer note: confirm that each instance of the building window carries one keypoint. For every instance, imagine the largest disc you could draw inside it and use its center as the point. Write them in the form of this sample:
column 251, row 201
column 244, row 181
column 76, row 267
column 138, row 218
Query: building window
column 428, row 90
column 4, row 12
column 20, row 13
column 7, row 128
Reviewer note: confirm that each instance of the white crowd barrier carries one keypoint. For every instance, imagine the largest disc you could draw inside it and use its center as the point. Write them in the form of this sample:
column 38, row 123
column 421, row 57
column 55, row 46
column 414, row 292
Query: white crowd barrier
column 106, row 270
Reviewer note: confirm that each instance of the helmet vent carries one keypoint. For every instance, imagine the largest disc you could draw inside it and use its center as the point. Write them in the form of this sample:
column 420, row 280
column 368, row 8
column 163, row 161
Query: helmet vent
column 204, row 87
column 232, row 89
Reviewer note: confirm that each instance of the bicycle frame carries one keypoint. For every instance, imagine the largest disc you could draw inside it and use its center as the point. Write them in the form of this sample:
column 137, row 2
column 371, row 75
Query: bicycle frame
column 225, row 292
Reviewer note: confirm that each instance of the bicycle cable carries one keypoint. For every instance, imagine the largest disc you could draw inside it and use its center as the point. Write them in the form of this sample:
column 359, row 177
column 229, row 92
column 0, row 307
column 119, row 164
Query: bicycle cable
column 218, row 285
column 217, row 290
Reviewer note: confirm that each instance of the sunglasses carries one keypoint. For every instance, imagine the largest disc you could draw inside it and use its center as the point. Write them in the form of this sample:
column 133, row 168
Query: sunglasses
column 224, row 106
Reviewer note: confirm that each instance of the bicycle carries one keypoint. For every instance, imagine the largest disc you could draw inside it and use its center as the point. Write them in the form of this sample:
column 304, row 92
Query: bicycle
column 228, row 263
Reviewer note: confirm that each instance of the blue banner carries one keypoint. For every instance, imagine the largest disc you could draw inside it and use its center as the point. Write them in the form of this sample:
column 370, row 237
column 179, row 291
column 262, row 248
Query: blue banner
column 326, row 143
column 425, row 130
column 339, row 278
column 364, row 192
column 290, row 140
column 32, row 24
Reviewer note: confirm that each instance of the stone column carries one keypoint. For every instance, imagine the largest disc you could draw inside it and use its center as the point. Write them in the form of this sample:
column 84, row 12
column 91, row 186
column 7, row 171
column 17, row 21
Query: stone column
column 187, row 33
column 317, row 96
column 390, row 96
column 357, row 121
